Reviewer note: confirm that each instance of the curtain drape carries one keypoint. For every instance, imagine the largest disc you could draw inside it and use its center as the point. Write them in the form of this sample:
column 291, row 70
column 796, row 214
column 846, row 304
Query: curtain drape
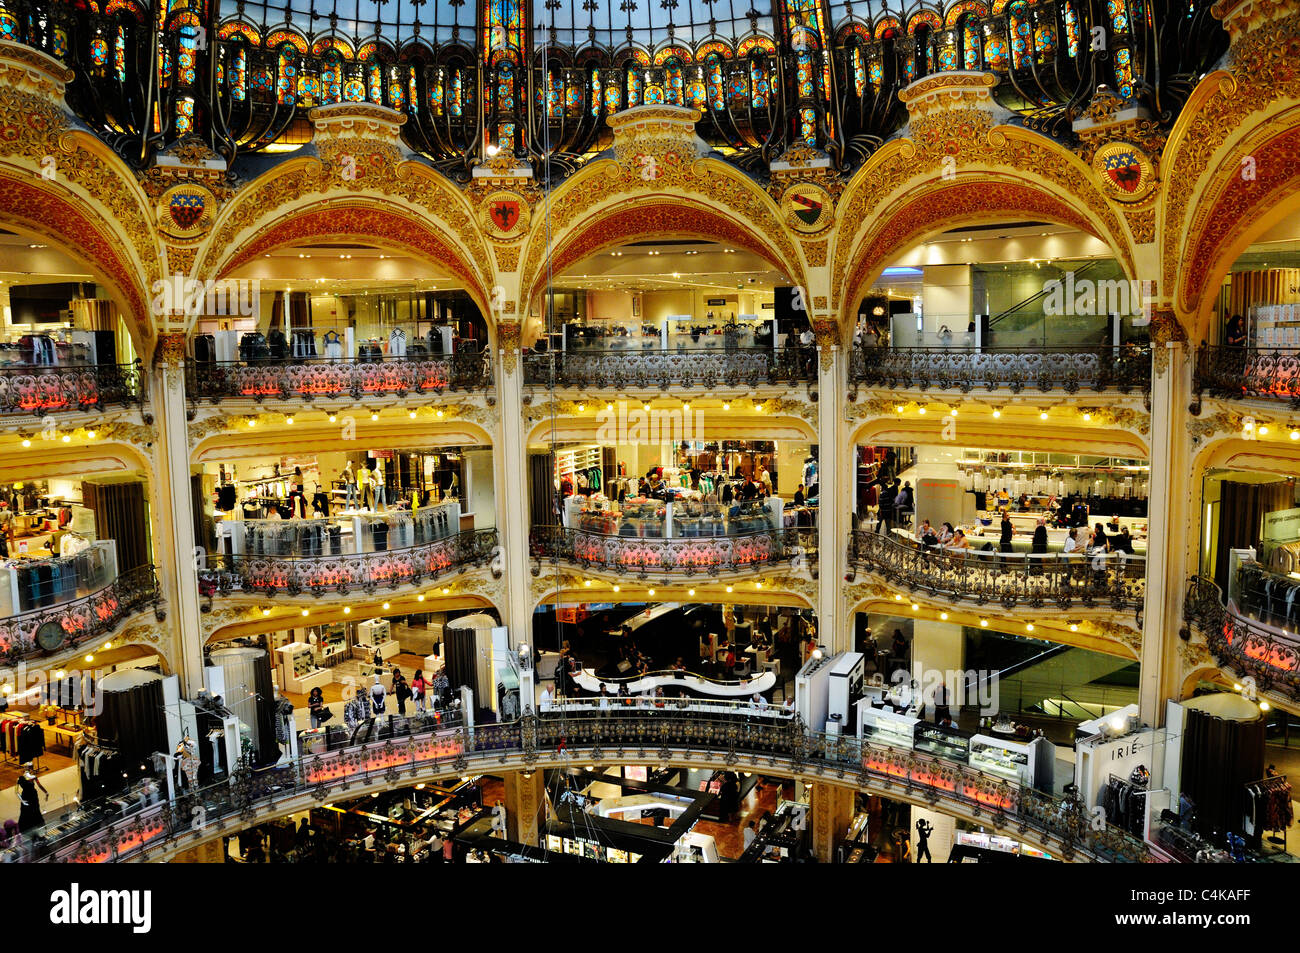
column 1241, row 514
column 1220, row 757
column 541, row 485
column 120, row 514
column 132, row 722
column 458, row 643
column 1273, row 286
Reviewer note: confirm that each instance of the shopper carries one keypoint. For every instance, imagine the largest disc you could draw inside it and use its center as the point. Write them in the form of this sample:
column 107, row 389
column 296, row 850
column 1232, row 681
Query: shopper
column 441, row 689
column 401, row 691
column 923, row 831
column 1039, row 544
column 729, row 798
column 419, row 688
column 604, row 697
column 751, row 833
column 798, row 495
column 1004, row 543
column 316, row 707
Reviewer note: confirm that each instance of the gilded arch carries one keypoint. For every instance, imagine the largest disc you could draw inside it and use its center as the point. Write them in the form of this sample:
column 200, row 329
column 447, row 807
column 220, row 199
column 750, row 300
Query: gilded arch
column 1221, row 113
column 959, row 164
column 55, row 216
column 658, row 169
column 63, row 183
column 1255, row 186
column 357, row 185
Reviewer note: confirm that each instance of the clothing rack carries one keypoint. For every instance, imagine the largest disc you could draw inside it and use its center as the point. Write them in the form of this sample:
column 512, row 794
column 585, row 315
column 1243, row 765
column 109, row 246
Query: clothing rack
column 1271, row 786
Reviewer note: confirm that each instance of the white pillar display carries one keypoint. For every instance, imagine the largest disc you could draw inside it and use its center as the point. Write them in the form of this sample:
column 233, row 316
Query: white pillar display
column 938, row 653
column 177, row 554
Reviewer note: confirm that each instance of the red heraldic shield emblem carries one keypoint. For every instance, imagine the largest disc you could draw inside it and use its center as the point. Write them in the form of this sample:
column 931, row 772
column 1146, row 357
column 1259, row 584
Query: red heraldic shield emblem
column 186, row 210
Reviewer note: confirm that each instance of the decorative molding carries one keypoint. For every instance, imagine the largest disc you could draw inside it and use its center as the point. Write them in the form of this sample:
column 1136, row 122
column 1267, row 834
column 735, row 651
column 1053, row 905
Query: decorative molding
column 508, row 333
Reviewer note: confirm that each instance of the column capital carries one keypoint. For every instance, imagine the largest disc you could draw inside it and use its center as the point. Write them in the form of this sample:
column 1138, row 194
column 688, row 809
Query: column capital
column 827, row 332
column 508, row 333
column 170, row 350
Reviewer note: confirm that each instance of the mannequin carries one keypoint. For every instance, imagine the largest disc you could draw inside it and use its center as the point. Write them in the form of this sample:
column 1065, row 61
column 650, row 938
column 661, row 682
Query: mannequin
column 377, row 694
column 349, row 479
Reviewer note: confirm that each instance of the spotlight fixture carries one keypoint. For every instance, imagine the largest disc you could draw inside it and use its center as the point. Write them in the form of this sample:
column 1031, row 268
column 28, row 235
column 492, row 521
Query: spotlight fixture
column 997, row 412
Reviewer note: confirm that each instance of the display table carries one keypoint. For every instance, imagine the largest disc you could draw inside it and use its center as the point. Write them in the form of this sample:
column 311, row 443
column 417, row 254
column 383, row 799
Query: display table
column 433, row 664
column 367, row 652
column 588, row 681
column 298, row 671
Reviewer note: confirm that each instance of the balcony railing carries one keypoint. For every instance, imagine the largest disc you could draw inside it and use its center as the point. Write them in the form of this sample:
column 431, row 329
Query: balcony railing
column 311, row 378
column 560, row 737
column 1069, row 369
column 665, row 370
column 687, row 556
column 1010, row 579
column 1245, row 373
column 269, row 576
column 1246, row 647
column 65, row 626
column 38, row 390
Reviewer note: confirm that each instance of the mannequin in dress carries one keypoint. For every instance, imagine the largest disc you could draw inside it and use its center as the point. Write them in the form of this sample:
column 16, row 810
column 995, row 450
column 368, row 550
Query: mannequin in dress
column 349, row 479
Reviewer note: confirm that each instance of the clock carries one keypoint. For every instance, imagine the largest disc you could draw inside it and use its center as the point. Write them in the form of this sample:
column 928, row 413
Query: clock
column 50, row 636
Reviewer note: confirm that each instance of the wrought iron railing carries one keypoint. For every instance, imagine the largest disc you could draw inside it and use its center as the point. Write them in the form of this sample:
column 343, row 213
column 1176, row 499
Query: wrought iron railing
column 1068, row 369
column 654, row 368
column 80, row 620
column 689, row 556
column 365, row 572
column 312, row 378
column 558, row 738
column 1010, row 579
column 39, row 390
column 1247, row 648
column 1246, row 373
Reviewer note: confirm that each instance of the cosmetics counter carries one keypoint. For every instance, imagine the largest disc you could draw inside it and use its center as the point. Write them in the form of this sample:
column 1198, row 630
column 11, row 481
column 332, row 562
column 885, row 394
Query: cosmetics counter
column 1029, row 763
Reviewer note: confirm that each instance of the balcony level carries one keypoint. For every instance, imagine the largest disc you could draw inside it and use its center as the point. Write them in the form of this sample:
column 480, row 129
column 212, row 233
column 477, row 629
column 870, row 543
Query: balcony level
column 1247, row 650
column 657, row 370
column 303, row 380
column 561, row 738
column 745, row 554
column 53, row 629
column 1061, row 369
column 32, row 391
column 327, row 576
column 1269, row 375
column 1045, row 581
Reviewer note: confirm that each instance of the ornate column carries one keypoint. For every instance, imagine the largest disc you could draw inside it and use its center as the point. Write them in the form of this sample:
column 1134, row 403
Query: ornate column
column 1168, row 524
column 511, row 461
column 175, row 553
column 525, row 806
column 834, row 465
column 832, row 812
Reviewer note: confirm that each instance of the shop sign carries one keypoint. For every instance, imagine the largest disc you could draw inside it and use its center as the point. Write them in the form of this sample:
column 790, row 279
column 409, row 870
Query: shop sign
column 1282, row 524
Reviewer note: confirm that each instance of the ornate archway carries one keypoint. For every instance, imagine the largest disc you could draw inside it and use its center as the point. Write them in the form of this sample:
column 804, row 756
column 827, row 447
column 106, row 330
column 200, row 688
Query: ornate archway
column 659, row 183
column 959, row 165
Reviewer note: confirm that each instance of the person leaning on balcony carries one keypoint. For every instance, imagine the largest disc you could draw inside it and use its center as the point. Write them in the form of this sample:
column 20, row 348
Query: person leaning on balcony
column 1039, row 544
column 959, row 541
column 1235, row 335
column 946, row 534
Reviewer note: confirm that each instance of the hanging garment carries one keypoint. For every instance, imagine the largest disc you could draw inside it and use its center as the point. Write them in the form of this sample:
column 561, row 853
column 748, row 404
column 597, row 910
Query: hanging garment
column 277, row 344
column 397, row 343
column 333, row 345
column 304, row 343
